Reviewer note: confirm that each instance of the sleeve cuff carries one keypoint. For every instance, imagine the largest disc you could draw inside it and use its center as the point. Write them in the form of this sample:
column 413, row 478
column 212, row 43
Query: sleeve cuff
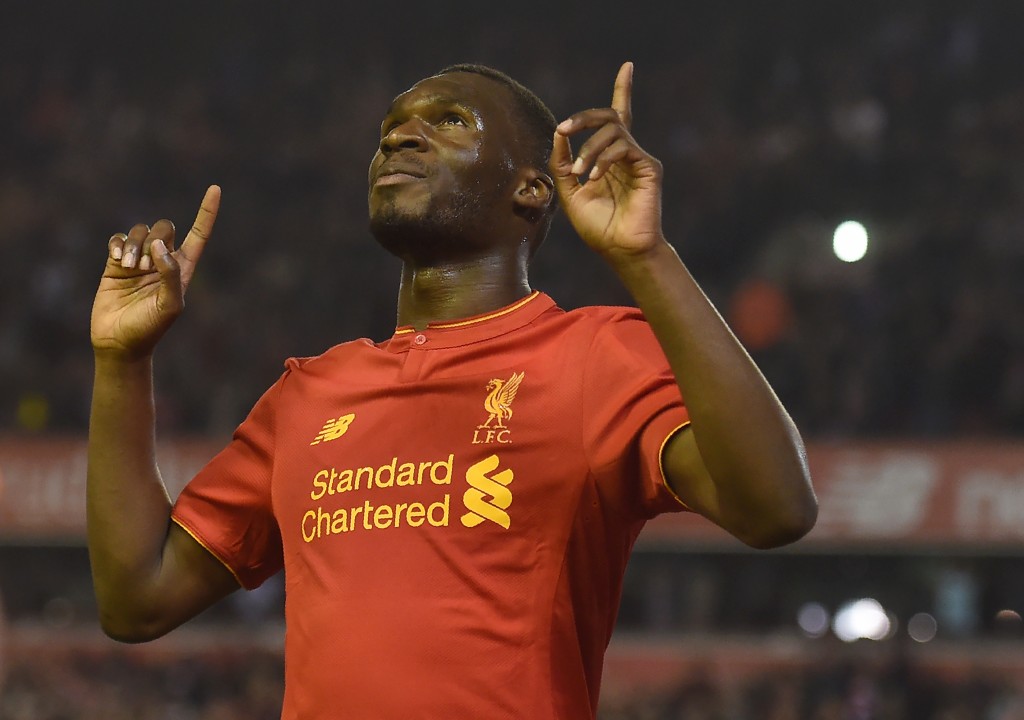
column 206, row 546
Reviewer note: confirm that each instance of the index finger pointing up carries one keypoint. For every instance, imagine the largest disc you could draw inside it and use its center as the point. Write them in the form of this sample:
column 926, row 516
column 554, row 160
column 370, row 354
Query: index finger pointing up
column 195, row 241
column 622, row 96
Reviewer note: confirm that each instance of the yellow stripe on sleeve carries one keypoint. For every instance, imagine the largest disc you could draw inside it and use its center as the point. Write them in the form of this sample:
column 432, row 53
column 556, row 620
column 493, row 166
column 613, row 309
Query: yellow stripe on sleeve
column 661, row 464
column 206, row 547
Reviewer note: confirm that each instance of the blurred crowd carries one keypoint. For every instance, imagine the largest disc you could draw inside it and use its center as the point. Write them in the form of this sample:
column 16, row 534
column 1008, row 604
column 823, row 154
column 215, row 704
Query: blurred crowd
column 111, row 684
column 230, row 685
column 774, row 123
column 836, row 691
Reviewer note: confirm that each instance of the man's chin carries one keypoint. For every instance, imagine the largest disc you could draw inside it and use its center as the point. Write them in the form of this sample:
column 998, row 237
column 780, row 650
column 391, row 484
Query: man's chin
column 422, row 239
column 393, row 229
column 406, row 235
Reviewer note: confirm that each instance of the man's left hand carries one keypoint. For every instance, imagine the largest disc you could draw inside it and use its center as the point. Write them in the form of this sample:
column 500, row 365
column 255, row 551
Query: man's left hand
column 611, row 192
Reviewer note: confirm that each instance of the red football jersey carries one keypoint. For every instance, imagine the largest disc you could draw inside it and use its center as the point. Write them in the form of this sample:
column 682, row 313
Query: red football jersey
column 453, row 509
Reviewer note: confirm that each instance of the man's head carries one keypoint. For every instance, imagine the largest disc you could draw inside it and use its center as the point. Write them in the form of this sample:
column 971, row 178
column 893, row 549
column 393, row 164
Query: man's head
column 462, row 167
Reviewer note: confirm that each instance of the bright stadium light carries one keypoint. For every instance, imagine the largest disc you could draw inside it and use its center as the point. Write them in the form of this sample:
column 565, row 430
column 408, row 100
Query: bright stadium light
column 861, row 619
column 850, row 241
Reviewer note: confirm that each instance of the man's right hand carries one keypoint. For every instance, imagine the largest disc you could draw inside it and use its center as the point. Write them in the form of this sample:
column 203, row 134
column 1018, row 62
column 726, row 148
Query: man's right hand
column 144, row 282
column 149, row 574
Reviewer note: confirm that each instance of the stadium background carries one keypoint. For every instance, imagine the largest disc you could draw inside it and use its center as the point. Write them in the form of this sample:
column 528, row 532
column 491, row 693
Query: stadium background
column 775, row 122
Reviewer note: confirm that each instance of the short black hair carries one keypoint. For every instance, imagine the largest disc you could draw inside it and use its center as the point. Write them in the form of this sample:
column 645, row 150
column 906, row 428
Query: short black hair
column 538, row 119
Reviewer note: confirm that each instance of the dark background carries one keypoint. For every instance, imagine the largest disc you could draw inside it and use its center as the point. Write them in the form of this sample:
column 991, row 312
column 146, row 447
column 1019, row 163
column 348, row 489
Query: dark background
column 775, row 121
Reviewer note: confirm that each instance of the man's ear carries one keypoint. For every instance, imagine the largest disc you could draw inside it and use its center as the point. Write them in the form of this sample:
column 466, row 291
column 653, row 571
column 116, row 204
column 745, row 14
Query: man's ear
column 534, row 194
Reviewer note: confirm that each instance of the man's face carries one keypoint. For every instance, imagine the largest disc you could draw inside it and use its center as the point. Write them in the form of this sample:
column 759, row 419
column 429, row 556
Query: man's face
column 444, row 166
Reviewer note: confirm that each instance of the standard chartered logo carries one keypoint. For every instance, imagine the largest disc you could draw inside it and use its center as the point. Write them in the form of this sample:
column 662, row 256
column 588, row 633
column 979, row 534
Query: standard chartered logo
column 488, row 496
column 403, row 494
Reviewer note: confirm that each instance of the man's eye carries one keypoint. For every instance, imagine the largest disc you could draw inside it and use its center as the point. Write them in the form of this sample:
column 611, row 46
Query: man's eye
column 453, row 120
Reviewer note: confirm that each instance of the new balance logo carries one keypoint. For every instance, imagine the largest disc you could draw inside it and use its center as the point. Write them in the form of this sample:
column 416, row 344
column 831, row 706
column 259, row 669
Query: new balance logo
column 334, row 429
column 488, row 496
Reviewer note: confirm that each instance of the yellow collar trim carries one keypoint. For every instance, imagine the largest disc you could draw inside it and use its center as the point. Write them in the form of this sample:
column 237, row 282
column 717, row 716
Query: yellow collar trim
column 473, row 321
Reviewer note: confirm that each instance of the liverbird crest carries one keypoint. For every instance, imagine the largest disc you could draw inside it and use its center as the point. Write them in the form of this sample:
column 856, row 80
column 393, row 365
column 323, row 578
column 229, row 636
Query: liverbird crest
column 498, row 402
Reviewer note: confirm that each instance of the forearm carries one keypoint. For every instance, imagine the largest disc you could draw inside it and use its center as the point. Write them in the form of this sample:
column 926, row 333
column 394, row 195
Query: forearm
column 750, row 447
column 128, row 508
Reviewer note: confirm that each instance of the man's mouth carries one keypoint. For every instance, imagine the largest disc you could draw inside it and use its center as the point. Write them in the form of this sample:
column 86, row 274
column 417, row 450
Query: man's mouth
column 398, row 171
column 396, row 178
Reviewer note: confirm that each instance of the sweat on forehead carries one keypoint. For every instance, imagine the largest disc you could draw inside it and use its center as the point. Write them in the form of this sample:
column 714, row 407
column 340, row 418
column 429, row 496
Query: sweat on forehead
column 478, row 96
column 480, row 86
column 534, row 118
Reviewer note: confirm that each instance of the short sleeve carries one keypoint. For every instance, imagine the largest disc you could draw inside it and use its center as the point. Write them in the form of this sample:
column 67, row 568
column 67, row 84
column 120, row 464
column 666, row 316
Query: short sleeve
column 632, row 407
column 227, row 506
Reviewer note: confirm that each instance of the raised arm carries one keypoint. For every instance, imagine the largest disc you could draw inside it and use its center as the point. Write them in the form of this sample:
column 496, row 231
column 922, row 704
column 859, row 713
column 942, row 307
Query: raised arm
column 149, row 574
column 741, row 462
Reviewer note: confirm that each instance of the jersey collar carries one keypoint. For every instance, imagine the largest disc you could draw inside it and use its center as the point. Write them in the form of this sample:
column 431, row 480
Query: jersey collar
column 452, row 333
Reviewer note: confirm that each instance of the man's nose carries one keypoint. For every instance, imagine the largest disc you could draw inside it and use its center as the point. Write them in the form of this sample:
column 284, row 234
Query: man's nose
column 406, row 136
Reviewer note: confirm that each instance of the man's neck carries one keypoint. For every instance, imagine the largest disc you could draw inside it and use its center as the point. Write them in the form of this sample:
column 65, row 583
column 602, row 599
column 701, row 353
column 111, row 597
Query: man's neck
column 450, row 291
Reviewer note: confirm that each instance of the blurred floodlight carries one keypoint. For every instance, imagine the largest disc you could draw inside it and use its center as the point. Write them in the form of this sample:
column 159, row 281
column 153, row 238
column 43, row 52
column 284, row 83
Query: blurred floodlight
column 861, row 619
column 922, row 628
column 850, row 241
column 813, row 619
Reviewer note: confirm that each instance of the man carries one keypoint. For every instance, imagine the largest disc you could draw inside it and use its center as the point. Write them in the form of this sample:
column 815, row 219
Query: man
column 453, row 507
